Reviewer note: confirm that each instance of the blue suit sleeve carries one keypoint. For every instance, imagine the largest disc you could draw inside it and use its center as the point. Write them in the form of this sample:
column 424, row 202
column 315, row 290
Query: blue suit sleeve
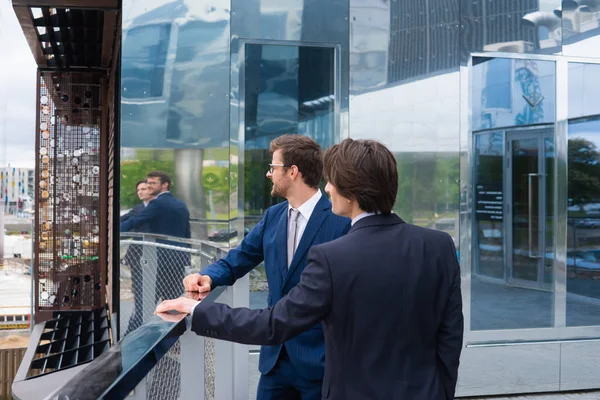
column 241, row 260
column 125, row 217
column 146, row 215
column 306, row 304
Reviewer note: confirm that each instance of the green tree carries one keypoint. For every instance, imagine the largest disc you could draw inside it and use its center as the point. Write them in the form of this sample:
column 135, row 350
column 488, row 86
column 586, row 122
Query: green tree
column 584, row 171
column 133, row 171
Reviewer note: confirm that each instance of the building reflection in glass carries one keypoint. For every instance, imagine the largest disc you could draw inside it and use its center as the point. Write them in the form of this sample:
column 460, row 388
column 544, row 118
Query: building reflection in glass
column 583, row 228
column 513, row 113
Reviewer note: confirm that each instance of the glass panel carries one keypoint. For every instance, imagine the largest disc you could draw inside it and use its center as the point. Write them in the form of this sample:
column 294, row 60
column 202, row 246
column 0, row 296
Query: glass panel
column 488, row 255
column 525, row 206
column 583, row 228
column 522, row 26
column 288, row 89
column 583, row 232
column 513, row 258
column 508, row 92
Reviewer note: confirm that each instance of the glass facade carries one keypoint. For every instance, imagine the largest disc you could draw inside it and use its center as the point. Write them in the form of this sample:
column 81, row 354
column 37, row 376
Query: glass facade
column 490, row 108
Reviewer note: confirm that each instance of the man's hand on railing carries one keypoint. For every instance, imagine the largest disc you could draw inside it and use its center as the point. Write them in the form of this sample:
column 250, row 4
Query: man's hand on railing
column 180, row 305
column 197, row 283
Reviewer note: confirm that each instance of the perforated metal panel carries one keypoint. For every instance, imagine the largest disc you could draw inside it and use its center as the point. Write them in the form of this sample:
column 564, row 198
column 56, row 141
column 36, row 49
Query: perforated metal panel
column 68, row 192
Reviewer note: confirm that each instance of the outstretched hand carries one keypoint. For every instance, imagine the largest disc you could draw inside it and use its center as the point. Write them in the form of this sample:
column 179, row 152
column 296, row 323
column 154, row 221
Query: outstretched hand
column 181, row 305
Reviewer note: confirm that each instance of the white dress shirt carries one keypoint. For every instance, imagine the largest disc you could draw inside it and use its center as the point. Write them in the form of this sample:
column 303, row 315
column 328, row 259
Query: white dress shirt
column 361, row 216
column 306, row 210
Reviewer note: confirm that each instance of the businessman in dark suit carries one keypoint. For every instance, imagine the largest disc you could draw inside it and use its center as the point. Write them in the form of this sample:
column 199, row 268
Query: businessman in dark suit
column 169, row 216
column 134, row 254
column 388, row 293
column 294, row 368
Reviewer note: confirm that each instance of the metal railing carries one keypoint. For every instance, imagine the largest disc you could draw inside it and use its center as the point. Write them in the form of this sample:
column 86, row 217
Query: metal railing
column 152, row 269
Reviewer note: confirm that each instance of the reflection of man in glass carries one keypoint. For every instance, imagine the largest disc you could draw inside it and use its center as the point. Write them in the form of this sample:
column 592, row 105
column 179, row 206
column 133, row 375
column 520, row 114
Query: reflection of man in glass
column 134, row 254
column 294, row 369
column 165, row 215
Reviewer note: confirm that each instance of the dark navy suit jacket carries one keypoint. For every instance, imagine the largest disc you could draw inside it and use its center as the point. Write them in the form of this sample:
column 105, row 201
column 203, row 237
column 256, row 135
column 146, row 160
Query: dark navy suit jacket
column 165, row 215
column 389, row 296
column 135, row 210
column 134, row 252
column 268, row 241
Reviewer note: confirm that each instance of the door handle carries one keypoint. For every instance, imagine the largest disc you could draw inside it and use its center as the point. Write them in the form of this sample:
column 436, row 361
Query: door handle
column 530, row 215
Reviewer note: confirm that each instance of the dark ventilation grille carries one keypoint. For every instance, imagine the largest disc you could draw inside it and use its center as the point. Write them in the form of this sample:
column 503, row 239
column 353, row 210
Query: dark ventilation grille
column 70, row 339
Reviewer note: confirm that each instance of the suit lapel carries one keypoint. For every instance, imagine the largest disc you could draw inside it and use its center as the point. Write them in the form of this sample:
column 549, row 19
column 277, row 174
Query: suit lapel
column 318, row 216
column 281, row 251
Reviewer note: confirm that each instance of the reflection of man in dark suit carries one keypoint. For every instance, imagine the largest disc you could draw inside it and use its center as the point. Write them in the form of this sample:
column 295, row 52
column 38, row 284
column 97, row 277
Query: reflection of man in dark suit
column 134, row 254
column 169, row 216
column 388, row 293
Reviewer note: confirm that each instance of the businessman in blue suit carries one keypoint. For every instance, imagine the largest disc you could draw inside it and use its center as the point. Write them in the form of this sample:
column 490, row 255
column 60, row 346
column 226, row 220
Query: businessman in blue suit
column 294, row 369
column 134, row 254
column 165, row 215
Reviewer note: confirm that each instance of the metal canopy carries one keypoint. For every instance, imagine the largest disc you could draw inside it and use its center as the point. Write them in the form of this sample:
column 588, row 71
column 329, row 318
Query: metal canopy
column 75, row 34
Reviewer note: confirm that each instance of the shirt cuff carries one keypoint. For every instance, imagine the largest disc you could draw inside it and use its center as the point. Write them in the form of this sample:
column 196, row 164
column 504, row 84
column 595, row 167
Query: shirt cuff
column 188, row 319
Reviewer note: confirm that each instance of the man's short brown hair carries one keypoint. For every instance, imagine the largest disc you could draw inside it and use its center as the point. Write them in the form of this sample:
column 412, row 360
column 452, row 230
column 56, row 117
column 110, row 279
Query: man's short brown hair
column 304, row 153
column 364, row 170
column 163, row 176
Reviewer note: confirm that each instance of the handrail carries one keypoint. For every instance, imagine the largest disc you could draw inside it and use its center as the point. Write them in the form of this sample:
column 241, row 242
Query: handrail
column 119, row 370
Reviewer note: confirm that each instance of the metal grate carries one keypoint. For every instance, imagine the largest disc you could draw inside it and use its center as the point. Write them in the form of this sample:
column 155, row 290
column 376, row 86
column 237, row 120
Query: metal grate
column 69, row 37
column 70, row 339
column 67, row 233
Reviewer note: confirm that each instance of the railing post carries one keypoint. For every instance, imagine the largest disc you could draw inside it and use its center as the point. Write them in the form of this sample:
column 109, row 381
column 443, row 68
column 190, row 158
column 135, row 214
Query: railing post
column 231, row 359
column 149, row 264
column 193, row 360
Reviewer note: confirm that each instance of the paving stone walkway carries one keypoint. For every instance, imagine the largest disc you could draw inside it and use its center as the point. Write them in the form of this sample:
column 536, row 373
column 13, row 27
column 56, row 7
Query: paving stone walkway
column 594, row 395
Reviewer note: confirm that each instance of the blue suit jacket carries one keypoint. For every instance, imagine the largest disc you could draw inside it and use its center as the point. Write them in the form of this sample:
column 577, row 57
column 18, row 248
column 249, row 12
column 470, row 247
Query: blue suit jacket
column 165, row 215
column 268, row 241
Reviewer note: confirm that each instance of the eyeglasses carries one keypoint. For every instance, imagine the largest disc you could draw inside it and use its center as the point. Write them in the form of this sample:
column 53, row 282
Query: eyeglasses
column 272, row 167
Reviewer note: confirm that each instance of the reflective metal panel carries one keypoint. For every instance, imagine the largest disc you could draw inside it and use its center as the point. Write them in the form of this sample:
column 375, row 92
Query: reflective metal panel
column 413, row 108
column 579, row 365
column 583, row 230
column 291, row 20
column 581, row 28
column 514, row 369
column 519, row 26
column 175, row 75
column 298, row 22
column 175, row 106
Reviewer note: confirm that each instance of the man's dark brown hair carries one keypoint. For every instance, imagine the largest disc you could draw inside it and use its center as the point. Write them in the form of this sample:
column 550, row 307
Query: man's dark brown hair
column 163, row 176
column 364, row 170
column 138, row 183
column 304, row 153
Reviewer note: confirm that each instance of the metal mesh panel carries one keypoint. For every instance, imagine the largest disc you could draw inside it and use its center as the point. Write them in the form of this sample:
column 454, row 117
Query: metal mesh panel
column 67, row 232
column 152, row 272
column 152, row 269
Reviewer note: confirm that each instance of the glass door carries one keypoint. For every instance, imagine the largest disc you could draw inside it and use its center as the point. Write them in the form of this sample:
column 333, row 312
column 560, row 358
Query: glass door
column 529, row 175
